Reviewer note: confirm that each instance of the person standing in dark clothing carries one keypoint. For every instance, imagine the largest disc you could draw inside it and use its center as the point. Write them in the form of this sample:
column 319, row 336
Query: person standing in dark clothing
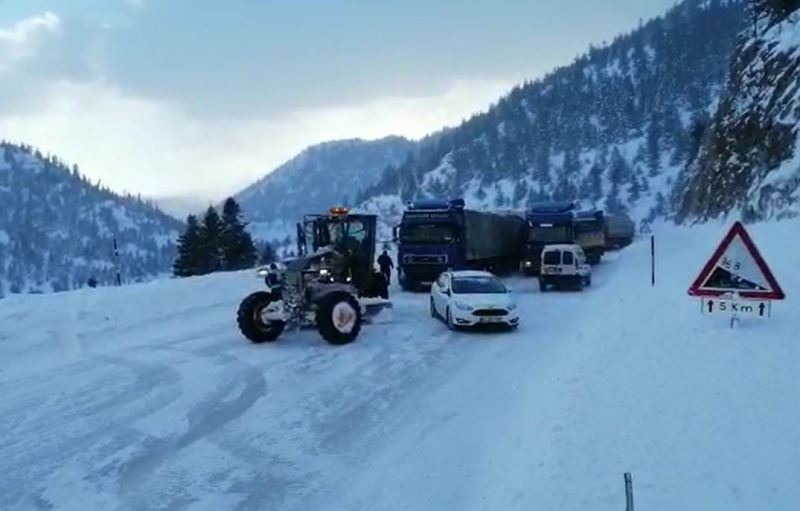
column 386, row 264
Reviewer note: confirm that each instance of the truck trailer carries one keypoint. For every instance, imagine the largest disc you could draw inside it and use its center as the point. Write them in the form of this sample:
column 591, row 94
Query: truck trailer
column 437, row 235
column 590, row 234
column 620, row 231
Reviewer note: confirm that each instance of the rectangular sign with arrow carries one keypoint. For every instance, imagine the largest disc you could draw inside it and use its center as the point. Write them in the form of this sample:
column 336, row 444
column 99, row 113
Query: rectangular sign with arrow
column 731, row 306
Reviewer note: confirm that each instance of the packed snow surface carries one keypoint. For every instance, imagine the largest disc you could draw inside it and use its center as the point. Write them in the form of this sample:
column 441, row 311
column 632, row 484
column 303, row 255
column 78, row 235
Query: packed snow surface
column 146, row 397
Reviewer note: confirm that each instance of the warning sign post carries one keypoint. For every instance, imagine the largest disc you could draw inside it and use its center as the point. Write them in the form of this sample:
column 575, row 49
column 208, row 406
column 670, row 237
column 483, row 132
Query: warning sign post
column 736, row 280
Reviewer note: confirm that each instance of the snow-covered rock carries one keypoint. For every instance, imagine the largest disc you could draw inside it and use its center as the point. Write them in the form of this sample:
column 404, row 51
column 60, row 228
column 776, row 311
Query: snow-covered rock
column 749, row 164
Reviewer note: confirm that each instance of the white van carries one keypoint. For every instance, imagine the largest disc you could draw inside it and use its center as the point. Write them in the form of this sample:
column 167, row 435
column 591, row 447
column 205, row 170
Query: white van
column 564, row 266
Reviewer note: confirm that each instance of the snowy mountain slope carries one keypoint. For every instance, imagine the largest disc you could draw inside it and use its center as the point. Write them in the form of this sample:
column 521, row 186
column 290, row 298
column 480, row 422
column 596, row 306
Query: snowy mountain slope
column 322, row 176
column 146, row 397
column 57, row 229
column 613, row 129
column 750, row 159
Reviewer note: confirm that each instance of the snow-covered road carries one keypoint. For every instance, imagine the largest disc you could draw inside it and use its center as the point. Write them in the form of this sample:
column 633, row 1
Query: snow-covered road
column 146, row 397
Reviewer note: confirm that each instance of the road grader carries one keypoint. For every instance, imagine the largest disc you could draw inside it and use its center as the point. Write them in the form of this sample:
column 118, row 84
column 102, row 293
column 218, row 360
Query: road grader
column 332, row 285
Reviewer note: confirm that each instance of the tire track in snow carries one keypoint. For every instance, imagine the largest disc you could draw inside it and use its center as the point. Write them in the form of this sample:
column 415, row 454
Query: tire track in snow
column 138, row 476
column 74, row 421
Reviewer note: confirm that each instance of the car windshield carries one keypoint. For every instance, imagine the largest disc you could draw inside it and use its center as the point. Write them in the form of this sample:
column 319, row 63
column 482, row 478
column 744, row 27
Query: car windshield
column 477, row 285
column 428, row 234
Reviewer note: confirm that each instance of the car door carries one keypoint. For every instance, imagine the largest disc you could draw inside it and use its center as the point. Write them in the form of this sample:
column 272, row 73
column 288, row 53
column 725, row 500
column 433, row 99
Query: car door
column 445, row 302
column 437, row 292
column 569, row 263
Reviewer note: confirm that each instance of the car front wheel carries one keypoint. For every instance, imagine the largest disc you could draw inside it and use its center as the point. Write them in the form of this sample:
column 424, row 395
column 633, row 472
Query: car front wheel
column 449, row 320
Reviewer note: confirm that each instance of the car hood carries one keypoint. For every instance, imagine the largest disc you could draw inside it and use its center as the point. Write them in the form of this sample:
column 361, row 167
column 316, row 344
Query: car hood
column 486, row 301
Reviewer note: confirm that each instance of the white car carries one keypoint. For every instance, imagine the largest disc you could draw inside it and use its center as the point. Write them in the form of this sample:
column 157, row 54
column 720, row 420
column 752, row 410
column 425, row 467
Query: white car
column 472, row 298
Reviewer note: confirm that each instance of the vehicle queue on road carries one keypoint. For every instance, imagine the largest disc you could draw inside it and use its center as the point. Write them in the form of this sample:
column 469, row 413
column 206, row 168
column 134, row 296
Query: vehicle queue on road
column 457, row 252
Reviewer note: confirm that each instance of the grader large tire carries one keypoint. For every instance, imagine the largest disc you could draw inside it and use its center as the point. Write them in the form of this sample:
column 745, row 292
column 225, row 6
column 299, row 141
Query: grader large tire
column 249, row 319
column 339, row 318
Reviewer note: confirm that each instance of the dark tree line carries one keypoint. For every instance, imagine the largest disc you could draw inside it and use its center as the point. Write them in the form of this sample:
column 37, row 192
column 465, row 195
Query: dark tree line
column 215, row 244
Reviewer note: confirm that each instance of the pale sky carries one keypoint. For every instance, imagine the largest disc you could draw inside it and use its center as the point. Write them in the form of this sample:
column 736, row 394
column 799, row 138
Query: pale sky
column 200, row 97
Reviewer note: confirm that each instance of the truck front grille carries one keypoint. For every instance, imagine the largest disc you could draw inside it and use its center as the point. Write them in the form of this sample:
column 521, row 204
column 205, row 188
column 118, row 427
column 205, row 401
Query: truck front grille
column 425, row 259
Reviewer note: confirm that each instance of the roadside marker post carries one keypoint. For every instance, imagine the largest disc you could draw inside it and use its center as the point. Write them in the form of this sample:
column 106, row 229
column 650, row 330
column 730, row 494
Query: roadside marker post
column 628, row 492
column 652, row 260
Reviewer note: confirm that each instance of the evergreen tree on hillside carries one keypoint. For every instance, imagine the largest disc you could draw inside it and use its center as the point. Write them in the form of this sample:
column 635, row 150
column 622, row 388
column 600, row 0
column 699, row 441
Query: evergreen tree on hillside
column 653, row 149
column 639, row 88
column 237, row 250
column 210, row 242
column 190, row 258
column 268, row 255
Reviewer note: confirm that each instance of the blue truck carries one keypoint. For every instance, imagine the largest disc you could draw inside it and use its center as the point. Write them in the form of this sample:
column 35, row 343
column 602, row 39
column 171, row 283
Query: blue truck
column 549, row 223
column 437, row 235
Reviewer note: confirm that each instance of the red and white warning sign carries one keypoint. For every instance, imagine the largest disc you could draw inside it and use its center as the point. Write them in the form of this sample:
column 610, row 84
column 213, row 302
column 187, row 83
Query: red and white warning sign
column 737, row 268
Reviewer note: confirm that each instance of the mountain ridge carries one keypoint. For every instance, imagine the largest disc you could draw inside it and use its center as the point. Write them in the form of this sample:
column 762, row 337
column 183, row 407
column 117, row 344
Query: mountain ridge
column 323, row 175
column 613, row 129
column 57, row 229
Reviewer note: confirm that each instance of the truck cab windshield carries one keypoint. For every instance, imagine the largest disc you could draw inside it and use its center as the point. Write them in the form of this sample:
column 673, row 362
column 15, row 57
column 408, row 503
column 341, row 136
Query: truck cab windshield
column 558, row 233
column 588, row 226
column 430, row 234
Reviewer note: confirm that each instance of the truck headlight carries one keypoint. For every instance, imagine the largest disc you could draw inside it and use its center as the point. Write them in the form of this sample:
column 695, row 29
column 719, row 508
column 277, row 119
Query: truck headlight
column 263, row 272
column 528, row 264
column 324, row 272
column 463, row 306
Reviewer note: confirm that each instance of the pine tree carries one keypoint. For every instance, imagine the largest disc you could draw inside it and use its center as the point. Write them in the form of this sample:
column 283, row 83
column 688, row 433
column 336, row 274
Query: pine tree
column 520, row 192
column 653, row 149
column 268, row 254
column 236, row 246
column 189, row 260
column 634, row 189
column 596, row 182
column 613, row 204
column 210, row 242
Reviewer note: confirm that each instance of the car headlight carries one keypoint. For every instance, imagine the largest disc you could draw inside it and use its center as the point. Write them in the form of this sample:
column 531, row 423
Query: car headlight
column 263, row 272
column 528, row 264
column 324, row 272
column 512, row 306
column 462, row 305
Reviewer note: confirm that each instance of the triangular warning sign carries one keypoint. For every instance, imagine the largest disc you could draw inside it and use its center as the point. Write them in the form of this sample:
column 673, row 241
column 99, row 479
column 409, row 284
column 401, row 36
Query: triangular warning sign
column 737, row 267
